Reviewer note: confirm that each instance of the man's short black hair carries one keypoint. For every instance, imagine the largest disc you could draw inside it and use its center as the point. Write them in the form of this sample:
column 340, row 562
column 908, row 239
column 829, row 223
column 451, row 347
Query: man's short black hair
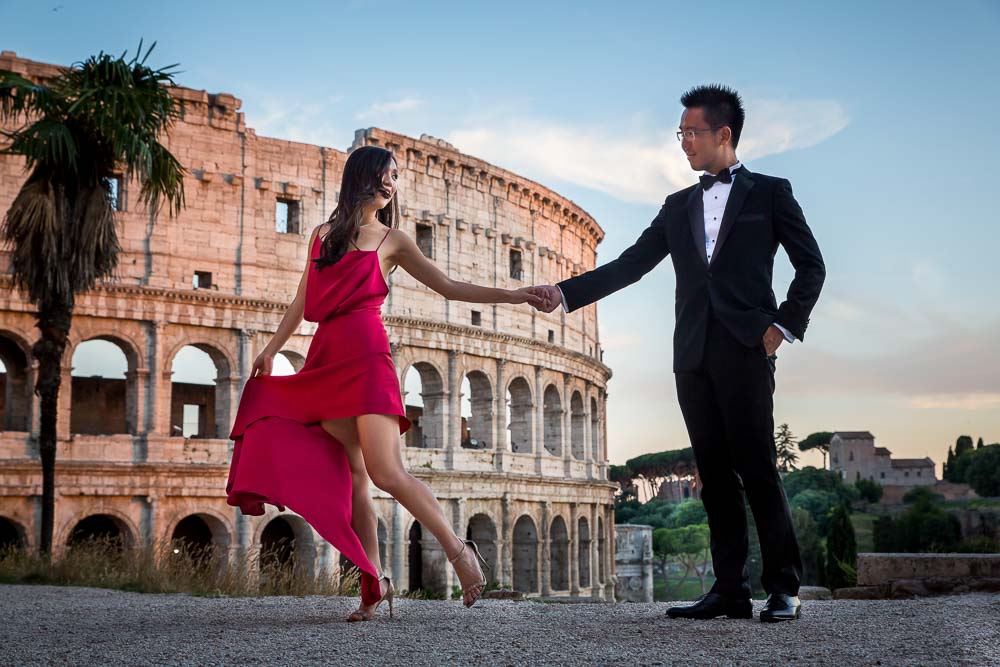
column 722, row 106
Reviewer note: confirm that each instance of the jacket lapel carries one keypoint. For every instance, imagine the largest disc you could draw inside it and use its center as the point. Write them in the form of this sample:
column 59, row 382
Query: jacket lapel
column 742, row 184
column 696, row 218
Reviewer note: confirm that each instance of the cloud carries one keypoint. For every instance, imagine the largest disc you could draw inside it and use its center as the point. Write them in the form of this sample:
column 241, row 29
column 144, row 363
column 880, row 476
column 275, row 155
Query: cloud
column 379, row 109
column 952, row 368
column 636, row 162
column 312, row 122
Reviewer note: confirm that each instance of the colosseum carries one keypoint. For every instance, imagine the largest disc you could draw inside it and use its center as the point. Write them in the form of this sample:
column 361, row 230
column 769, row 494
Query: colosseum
column 508, row 403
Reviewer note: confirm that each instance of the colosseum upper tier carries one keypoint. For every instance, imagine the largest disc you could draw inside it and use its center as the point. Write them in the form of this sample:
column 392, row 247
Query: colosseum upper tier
column 518, row 460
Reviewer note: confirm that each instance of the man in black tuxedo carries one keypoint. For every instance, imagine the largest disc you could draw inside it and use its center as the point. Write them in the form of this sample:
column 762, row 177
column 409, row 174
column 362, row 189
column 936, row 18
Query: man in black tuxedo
column 722, row 235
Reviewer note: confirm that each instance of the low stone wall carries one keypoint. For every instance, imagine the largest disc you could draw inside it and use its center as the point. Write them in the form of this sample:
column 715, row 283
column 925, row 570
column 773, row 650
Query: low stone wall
column 894, row 575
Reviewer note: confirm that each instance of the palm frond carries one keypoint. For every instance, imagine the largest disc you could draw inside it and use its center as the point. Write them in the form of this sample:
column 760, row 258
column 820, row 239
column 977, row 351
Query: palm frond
column 22, row 97
column 48, row 141
column 33, row 230
column 94, row 254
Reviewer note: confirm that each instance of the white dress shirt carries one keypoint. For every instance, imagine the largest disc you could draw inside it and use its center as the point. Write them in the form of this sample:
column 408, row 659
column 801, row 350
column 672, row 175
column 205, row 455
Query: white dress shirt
column 714, row 204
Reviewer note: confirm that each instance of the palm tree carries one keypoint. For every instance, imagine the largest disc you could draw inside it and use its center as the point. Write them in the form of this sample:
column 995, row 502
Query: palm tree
column 97, row 119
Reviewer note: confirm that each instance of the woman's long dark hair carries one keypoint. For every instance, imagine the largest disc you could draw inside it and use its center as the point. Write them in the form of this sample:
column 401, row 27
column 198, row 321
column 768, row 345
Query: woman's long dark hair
column 361, row 182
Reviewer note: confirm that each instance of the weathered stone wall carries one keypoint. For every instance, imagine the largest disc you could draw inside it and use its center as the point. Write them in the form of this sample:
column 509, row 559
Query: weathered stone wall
column 148, row 480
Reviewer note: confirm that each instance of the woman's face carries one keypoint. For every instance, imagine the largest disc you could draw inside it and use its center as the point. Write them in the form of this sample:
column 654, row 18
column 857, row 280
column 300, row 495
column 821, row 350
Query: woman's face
column 387, row 188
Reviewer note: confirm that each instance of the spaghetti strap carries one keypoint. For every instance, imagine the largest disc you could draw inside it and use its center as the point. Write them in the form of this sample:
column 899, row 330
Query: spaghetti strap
column 383, row 239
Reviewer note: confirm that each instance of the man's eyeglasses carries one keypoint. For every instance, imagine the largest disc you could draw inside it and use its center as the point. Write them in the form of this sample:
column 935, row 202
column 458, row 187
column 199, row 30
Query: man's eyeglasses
column 691, row 134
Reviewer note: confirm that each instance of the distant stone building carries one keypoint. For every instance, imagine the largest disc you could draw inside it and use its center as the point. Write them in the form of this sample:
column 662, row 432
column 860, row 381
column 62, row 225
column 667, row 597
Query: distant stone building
column 679, row 489
column 854, row 455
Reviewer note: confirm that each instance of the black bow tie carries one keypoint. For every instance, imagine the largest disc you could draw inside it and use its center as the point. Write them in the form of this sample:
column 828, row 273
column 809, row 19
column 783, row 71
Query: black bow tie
column 707, row 181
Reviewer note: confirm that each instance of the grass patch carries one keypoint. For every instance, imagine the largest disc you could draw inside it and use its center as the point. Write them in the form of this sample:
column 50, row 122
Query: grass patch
column 171, row 568
column 689, row 589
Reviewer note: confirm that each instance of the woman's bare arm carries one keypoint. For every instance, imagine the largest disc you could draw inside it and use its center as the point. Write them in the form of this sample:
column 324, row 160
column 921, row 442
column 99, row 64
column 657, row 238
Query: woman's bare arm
column 289, row 322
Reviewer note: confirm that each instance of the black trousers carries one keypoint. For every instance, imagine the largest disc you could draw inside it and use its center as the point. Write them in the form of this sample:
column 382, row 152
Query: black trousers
column 728, row 408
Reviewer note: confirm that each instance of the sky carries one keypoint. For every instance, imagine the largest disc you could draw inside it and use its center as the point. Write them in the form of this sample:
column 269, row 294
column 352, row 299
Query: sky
column 882, row 116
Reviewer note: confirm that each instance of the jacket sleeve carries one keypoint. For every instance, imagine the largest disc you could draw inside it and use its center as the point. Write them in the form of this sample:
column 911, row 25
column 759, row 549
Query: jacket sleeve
column 798, row 241
column 635, row 262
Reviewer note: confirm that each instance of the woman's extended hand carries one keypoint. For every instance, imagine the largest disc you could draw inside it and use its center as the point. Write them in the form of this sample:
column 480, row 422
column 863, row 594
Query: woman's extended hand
column 262, row 364
column 525, row 295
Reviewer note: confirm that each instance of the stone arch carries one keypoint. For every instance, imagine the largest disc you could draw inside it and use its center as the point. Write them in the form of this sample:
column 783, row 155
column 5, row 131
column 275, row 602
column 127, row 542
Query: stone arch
column 106, row 402
column 286, row 545
column 578, row 423
column 100, row 507
column 520, row 407
column 294, row 359
column 553, row 411
column 198, row 409
column 595, row 431
column 583, row 551
column 200, row 532
column 525, row 555
column 101, row 529
column 483, row 531
column 16, row 387
column 477, row 427
column 426, row 412
column 13, row 536
column 415, row 557
column 559, row 555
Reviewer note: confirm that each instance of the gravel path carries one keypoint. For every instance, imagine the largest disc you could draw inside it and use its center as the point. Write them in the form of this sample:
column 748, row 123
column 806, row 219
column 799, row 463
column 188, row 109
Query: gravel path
column 87, row 626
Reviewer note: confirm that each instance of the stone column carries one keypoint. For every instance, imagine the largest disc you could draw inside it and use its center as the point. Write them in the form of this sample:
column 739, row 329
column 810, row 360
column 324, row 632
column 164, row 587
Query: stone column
column 565, row 419
column 574, row 556
column 136, row 386
column 34, row 402
column 158, row 419
column 595, row 572
column 147, row 519
column 453, row 430
column 588, row 450
column 501, row 416
column 244, row 535
column 458, row 523
column 538, row 428
column 609, row 553
column 244, row 360
column 506, row 545
column 545, row 562
column 65, row 401
column 398, row 555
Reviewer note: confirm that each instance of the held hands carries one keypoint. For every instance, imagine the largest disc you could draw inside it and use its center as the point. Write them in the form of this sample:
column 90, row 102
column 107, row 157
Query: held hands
column 262, row 364
column 549, row 297
column 772, row 339
column 525, row 295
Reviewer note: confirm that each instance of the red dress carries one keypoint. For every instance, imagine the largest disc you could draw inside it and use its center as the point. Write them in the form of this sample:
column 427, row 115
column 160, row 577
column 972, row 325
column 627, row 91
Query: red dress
column 282, row 455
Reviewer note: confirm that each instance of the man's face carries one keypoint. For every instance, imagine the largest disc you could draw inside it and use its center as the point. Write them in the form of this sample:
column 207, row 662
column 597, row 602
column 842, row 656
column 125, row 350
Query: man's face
column 703, row 148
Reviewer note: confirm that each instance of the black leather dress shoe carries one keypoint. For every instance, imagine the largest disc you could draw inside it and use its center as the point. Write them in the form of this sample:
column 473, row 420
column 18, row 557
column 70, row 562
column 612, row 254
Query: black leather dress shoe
column 780, row 607
column 714, row 605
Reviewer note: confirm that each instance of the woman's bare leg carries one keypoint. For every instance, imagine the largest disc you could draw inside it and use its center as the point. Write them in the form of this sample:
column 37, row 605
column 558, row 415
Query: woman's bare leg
column 379, row 437
column 364, row 521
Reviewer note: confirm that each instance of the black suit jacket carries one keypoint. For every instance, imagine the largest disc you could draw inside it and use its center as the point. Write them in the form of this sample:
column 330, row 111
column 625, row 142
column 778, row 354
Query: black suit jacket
column 761, row 213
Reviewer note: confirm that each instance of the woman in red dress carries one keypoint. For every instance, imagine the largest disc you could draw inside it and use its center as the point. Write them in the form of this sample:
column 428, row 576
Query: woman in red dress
column 310, row 441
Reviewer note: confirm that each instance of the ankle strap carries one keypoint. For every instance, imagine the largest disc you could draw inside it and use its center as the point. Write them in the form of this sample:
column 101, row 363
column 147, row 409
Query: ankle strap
column 460, row 552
